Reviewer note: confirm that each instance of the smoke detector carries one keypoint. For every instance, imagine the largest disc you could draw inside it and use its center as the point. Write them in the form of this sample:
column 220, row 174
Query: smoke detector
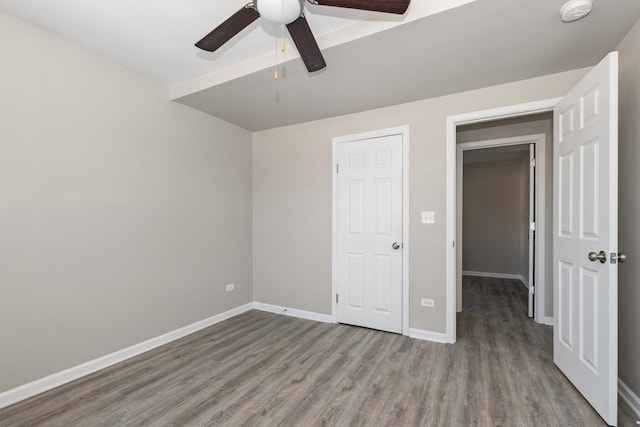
column 575, row 9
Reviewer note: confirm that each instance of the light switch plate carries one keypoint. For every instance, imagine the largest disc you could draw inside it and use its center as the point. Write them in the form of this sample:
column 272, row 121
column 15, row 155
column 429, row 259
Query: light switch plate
column 428, row 217
column 427, row 302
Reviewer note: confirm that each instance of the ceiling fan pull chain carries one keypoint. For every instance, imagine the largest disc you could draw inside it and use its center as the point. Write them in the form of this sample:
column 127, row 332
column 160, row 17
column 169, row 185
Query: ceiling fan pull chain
column 275, row 74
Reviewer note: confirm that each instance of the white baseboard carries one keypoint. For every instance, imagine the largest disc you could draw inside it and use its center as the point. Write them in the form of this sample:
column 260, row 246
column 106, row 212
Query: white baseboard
column 548, row 320
column 41, row 385
column 309, row 315
column 302, row 314
column 519, row 277
column 630, row 397
column 421, row 334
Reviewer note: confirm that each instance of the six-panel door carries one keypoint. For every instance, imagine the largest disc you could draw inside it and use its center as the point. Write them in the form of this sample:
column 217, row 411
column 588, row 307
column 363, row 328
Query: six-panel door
column 369, row 233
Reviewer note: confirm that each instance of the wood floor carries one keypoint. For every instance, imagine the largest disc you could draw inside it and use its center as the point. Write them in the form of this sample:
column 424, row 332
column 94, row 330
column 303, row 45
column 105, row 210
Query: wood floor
column 261, row 369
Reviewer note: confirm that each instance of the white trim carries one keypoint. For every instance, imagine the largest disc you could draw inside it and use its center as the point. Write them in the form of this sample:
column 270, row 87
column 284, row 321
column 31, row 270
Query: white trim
column 293, row 312
column 421, row 334
column 630, row 397
column 334, row 231
column 539, row 140
column 451, row 123
column 400, row 130
column 548, row 320
column 41, row 385
column 405, row 228
column 518, row 277
column 532, row 235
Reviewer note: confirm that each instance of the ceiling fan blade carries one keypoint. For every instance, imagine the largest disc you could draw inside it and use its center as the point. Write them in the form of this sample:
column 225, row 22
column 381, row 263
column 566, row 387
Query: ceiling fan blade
column 389, row 6
column 229, row 28
column 306, row 44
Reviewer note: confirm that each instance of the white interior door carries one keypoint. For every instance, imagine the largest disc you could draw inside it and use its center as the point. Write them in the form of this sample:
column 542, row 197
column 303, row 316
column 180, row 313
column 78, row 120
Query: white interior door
column 369, row 233
column 586, row 222
column 532, row 226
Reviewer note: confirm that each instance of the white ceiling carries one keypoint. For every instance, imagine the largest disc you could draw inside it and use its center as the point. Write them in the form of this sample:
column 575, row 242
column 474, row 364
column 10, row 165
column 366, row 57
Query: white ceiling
column 374, row 60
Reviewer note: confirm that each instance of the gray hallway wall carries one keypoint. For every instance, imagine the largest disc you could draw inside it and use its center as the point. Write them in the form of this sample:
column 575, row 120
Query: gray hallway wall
column 495, row 216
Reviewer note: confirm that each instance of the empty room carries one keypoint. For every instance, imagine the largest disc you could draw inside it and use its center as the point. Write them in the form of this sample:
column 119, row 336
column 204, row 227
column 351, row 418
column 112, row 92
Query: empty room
column 294, row 213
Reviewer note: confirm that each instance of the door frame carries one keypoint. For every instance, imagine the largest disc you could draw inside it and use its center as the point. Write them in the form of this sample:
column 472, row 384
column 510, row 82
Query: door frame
column 452, row 121
column 400, row 130
column 539, row 140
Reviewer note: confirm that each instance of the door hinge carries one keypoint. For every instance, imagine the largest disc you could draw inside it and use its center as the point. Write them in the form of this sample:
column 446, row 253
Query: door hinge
column 532, row 289
column 532, row 226
column 336, row 298
column 534, row 163
column 337, row 168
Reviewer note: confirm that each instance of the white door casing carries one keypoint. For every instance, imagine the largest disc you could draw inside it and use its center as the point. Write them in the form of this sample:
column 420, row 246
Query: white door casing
column 532, row 228
column 451, row 257
column 369, row 225
column 586, row 220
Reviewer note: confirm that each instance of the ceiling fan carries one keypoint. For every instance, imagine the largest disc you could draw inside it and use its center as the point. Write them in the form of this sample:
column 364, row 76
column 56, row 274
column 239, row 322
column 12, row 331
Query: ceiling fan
column 291, row 14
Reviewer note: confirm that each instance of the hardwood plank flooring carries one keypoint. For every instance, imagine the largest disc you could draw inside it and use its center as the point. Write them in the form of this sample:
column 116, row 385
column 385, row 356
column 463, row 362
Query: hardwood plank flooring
column 261, row 369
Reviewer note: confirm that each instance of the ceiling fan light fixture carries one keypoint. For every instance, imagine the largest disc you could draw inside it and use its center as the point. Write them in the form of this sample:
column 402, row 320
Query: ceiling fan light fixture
column 279, row 11
column 575, row 9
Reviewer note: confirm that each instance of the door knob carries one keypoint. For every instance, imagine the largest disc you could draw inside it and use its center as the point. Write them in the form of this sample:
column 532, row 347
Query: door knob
column 601, row 256
column 622, row 258
column 395, row 246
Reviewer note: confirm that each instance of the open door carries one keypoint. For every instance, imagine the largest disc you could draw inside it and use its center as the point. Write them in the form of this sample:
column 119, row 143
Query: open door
column 585, row 241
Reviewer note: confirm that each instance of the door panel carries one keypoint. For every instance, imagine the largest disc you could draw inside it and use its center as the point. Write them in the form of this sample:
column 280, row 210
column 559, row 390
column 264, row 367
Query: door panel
column 356, row 281
column 565, row 300
column 589, row 318
column 383, row 209
column 566, row 190
column 586, row 214
column 383, row 283
column 356, row 207
column 589, row 197
column 369, row 221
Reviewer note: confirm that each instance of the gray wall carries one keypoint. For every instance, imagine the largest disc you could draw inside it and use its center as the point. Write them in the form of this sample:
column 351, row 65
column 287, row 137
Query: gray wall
column 495, row 216
column 629, row 205
column 292, row 196
column 529, row 125
column 122, row 215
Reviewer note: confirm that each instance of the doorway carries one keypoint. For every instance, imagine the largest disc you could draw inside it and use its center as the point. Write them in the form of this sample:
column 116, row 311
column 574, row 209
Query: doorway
column 453, row 122
column 505, row 210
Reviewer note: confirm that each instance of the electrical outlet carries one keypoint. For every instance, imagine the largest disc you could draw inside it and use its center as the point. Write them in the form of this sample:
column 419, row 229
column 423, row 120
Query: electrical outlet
column 426, row 302
column 230, row 287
